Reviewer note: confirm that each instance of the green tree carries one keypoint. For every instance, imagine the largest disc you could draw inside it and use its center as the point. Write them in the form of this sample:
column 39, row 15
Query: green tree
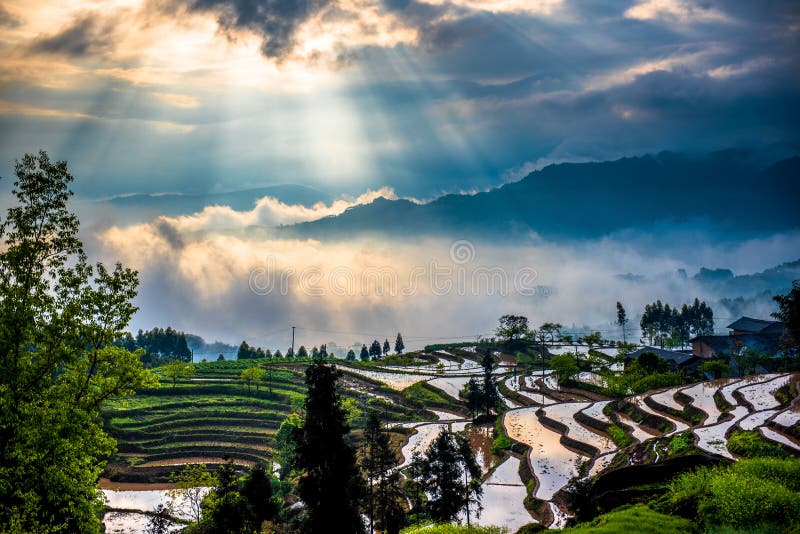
column 351, row 355
column 385, row 493
column 222, row 508
column 716, row 368
column 256, row 501
column 399, row 346
column 176, row 370
column 59, row 317
column 191, row 487
column 474, row 395
column 449, row 474
column 622, row 320
column 564, row 366
column 789, row 313
column 285, row 443
column 375, row 349
column 489, row 394
column 364, row 353
column 302, row 352
column 386, row 347
column 330, row 484
column 551, row 330
column 512, row 327
column 250, row 376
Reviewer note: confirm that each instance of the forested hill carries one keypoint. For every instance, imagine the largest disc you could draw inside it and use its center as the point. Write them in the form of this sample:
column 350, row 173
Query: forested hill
column 581, row 200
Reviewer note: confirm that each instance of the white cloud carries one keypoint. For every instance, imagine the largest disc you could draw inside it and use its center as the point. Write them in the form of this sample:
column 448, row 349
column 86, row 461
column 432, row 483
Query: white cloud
column 681, row 11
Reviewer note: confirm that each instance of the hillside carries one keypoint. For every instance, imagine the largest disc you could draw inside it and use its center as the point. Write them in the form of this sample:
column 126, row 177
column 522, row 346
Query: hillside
column 583, row 200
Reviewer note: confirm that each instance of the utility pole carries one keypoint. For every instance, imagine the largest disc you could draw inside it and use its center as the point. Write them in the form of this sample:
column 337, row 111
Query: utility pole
column 293, row 341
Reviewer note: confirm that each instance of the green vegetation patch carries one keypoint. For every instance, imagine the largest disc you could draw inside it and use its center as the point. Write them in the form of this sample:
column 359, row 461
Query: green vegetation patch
column 744, row 495
column 453, row 529
column 639, row 518
column 751, row 444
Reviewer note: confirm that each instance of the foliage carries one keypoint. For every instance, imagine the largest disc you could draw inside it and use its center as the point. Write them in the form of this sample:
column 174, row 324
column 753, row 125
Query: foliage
column 385, row 494
column 246, row 352
column 743, row 495
column 716, row 368
column 619, row 436
column 564, row 366
column 59, row 317
column 251, row 376
column 330, row 484
column 638, row 518
column 789, row 313
column 399, row 346
column 453, row 529
column 176, row 370
column 160, row 345
column 512, row 327
column 680, row 443
column 449, row 475
column 285, row 443
column 364, row 354
column 661, row 322
column 622, row 320
column 751, row 444
column 187, row 497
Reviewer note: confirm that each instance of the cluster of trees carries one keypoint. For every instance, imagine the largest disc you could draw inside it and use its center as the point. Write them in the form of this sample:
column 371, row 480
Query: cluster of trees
column 515, row 329
column 376, row 349
column 337, row 481
column 59, row 319
column 482, row 396
column 672, row 327
column 160, row 345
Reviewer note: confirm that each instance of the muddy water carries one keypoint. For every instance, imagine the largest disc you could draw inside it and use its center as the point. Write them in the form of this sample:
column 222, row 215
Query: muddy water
column 420, row 441
column 452, row 385
column 756, row 419
column 595, row 411
column 777, row 436
column 565, row 414
column 761, row 395
column 638, row 400
column 553, row 465
column 481, row 439
column 712, row 438
column 727, row 391
column 702, row 395
column 131, row 523
column 788, row 417
column 503, row 496
column 666, row 398
column 398, row 381
column 637, row 431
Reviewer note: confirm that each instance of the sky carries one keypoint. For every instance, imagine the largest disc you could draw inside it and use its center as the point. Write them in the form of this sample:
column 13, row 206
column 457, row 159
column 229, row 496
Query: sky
column 426, row 97
column 393, row 98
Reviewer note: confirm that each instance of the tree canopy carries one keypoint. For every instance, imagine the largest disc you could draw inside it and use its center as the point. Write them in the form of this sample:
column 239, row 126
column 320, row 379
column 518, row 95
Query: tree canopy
column 59, row 318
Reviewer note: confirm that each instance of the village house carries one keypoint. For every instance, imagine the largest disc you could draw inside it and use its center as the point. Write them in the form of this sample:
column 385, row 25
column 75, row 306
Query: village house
column 745, row 333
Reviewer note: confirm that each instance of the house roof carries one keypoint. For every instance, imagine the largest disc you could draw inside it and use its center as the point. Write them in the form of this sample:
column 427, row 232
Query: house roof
column 724, row 344
column 679, row 358
column 748, row 324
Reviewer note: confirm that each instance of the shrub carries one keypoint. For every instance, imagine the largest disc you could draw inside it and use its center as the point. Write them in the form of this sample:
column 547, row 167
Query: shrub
column 680, row 443
column 619, row 436
column 751, row 444
column 638, row 518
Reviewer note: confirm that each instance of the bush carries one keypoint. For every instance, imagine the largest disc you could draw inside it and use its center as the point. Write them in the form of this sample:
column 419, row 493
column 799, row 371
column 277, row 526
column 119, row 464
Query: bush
column 751, row 444
column 746, row 494
column 680, row 443
column 453, row 529
column 638, row 518
column 619, row 436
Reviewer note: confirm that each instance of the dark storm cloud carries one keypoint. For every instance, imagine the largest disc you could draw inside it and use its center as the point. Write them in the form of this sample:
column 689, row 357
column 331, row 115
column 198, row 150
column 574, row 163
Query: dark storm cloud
column 275, row 21
column 7, row 20
column 87, row 35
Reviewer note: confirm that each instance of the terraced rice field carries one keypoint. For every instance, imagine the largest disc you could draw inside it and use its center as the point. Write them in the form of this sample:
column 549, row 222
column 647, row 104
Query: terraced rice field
column 552, row 463
column 565, row 414
column 638, row 400
column 702, row 395
column 503, row 496
column 202, row 421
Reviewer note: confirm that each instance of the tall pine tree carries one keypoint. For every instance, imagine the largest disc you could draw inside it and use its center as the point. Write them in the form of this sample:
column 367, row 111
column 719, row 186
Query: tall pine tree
column 330, row 484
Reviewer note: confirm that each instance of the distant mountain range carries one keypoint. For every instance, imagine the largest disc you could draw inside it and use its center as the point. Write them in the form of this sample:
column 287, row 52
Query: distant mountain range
column 726, row 189
column 142, row 207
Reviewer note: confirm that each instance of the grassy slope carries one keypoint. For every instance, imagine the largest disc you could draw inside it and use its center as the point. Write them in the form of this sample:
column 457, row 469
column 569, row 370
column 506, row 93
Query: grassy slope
column 216, row 418
column 639, row 519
